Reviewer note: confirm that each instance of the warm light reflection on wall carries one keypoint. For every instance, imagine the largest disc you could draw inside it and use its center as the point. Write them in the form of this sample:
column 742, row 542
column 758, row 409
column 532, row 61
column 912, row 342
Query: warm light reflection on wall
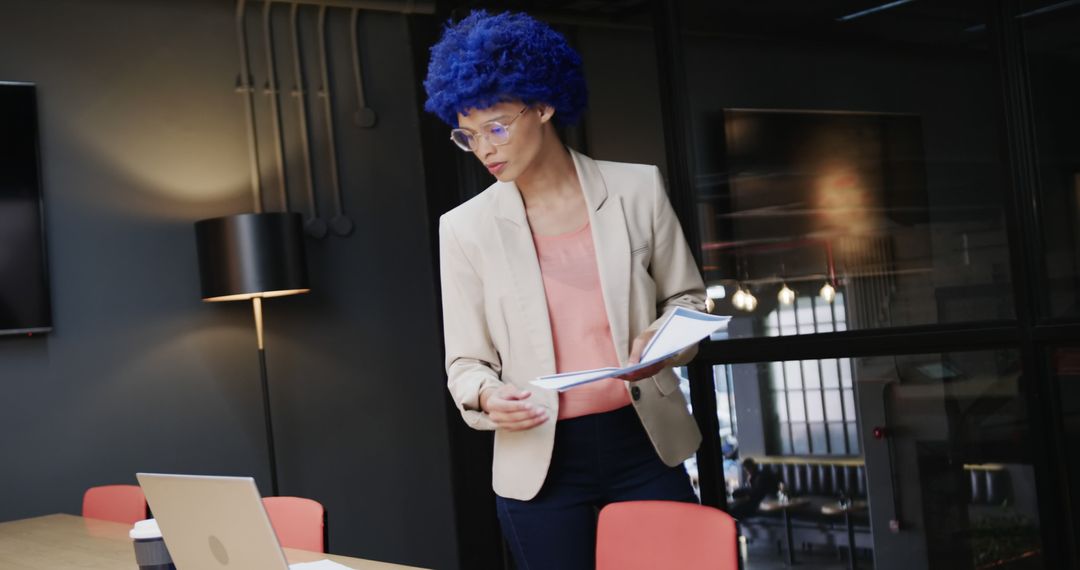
column 179, row 164
column 177, row 145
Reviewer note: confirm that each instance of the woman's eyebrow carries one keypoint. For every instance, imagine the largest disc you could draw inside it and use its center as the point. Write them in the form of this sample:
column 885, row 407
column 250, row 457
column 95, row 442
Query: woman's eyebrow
column 495, row 119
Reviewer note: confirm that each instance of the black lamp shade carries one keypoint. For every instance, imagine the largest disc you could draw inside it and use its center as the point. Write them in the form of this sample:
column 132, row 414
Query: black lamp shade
column 251, row 255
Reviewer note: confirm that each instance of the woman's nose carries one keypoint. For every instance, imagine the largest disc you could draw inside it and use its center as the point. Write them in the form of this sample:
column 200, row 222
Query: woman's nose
column 484, row 148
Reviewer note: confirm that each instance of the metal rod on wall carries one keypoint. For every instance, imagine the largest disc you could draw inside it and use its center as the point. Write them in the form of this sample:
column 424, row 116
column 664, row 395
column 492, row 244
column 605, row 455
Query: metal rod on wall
column 314, row 226
column 340, row 224
column 244, row 87
column 264, row 383
column 365, row 116
column 399, row 6
column 275, row 109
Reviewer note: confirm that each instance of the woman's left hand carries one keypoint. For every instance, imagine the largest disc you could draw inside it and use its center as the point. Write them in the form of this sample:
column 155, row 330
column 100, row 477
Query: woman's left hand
column 635, row 357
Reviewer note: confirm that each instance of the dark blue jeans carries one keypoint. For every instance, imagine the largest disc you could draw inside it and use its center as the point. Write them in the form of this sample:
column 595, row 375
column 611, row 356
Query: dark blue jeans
column 598, row 459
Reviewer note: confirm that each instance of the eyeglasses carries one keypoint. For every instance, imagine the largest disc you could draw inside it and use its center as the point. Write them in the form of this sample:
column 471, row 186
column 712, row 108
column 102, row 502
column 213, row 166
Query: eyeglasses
column 494, row 132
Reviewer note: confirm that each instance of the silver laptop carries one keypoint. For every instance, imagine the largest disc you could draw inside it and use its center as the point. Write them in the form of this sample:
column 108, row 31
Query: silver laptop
column 213, row 522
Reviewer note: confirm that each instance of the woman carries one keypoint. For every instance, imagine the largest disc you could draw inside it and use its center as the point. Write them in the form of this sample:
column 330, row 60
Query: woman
column 563, row 264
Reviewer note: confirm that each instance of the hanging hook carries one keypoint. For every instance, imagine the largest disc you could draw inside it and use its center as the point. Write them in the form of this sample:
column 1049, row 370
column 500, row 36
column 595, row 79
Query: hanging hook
column 340, row 224
column 314, row 226
column 245, row 86
column 275, row 109
column 365, row 116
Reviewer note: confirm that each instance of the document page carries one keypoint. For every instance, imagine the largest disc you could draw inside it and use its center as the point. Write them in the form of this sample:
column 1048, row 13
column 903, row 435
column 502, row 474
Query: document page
column 682, row 328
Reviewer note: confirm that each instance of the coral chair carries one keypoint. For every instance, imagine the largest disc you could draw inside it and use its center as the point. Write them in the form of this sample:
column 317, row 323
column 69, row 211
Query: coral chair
column 117, row 503
column 299, row 523
column 645, row 535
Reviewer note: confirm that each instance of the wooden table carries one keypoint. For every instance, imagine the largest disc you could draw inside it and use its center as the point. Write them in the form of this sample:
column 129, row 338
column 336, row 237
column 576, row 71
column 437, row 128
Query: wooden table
column 61, row 542
column 846, row 510
column 771, row 505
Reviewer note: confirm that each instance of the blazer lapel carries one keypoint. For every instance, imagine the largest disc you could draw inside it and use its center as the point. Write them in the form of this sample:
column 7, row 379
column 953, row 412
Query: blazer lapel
column 519, row 252
column 612, row 242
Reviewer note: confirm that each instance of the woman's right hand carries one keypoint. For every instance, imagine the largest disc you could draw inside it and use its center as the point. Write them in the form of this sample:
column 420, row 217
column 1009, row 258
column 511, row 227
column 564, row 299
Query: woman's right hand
column 506, row 406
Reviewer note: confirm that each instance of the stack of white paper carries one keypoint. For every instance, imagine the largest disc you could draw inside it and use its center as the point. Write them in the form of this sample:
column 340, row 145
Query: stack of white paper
column 682, row 328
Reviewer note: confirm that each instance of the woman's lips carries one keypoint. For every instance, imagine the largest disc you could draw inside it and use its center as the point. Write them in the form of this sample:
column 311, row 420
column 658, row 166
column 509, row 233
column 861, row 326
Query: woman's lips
column 495, row 167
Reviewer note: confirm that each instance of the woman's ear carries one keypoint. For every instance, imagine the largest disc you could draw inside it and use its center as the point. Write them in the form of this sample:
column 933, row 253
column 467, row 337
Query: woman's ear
column 546, row 112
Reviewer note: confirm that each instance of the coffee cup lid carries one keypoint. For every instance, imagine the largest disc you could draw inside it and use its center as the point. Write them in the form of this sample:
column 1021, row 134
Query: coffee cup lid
column 146, row 529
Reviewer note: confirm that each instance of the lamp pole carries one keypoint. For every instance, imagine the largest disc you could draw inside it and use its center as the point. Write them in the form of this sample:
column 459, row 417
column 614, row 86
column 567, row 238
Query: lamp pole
column 253, row 256
column 256, row 304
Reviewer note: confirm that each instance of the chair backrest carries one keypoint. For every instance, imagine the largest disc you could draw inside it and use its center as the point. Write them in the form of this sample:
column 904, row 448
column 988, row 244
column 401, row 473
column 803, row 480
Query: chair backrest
column 299, row 523
column 828, row 477
column 665, row 534
column 117, row 503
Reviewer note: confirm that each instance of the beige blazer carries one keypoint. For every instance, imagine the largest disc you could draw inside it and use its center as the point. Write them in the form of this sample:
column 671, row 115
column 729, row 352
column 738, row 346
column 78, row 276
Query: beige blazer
column 496, row 320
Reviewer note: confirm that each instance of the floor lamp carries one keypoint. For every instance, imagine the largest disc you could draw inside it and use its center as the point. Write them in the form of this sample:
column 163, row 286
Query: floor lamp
column 253, row 256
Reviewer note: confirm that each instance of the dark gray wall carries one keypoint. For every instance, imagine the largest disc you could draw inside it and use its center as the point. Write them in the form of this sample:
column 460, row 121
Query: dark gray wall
column 142, row 134
column 624, row 122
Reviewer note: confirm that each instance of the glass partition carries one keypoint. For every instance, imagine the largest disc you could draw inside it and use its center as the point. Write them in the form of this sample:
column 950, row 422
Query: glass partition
column 1050, row 31
column 931, row 452
column 1065, row 367
column 847, row 167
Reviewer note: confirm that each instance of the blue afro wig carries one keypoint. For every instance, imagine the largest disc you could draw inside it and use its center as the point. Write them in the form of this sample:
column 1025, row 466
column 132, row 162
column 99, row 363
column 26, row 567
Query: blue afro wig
column 487, row 59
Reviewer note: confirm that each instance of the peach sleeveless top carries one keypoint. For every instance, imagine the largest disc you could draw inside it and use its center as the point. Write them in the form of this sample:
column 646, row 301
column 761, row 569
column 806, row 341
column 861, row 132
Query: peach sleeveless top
column 579, row 325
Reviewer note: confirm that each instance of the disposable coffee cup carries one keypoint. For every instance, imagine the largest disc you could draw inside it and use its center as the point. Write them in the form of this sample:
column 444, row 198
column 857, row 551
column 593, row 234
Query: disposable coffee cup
column 150, row 551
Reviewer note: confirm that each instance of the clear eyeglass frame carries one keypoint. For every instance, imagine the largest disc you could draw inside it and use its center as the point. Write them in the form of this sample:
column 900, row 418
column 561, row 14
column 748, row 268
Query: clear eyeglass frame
column 494, row 132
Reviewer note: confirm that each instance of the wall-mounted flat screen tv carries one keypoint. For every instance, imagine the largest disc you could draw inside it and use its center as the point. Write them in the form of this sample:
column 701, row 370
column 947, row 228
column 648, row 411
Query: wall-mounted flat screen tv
column 24, row 279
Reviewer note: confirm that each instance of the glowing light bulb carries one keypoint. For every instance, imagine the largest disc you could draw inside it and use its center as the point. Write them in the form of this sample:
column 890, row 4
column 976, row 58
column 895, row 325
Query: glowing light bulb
column 786, row 296
column 739, row 298
column 828, row 292
column 750, row 303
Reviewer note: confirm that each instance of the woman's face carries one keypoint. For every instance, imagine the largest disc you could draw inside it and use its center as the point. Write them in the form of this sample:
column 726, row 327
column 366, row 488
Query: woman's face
column 526, row 136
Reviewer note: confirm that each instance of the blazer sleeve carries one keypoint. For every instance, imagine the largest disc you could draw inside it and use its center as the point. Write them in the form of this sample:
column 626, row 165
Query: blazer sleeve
column 472, row 363
column 673, row 269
